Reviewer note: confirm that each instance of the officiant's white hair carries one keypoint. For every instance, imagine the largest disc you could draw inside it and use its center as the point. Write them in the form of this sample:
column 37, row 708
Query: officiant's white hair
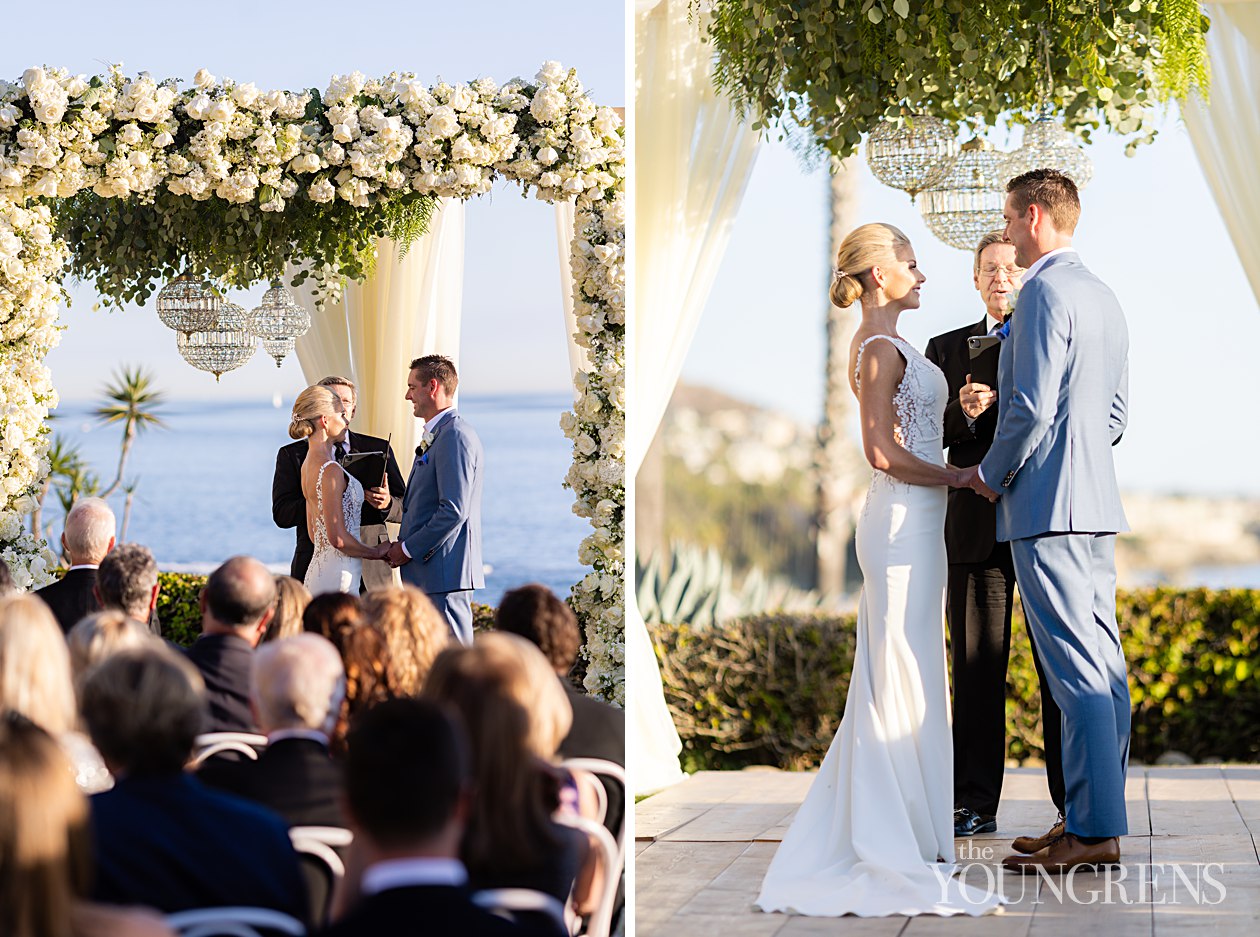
column 90, row 527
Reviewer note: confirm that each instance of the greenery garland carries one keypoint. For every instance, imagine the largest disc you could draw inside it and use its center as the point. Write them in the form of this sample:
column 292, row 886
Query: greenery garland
column 827, row 71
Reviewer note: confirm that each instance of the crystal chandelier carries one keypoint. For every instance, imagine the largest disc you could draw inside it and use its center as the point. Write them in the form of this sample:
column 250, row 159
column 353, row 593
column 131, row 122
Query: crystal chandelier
column 911, row 155
column 967, row 204
column 1048, row 145
column 278, row 320
column 187, row 304
column 223, row 347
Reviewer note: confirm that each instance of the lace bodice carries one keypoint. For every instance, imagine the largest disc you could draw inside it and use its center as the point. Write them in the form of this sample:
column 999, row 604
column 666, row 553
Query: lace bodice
column 920, row 401
column 351, row 507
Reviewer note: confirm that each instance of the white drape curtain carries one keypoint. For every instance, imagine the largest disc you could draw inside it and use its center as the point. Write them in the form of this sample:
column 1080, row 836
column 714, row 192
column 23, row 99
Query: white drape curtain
column 410, row 306
column 579, row 359
column 1226, row 131
column 692, row 158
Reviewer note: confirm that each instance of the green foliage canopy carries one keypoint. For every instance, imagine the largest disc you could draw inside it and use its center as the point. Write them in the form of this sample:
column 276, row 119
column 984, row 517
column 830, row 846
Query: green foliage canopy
column 827, row 71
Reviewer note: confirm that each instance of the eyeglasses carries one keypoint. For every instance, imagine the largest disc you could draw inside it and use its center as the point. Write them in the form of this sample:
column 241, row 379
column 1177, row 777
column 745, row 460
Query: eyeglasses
column 991, row 273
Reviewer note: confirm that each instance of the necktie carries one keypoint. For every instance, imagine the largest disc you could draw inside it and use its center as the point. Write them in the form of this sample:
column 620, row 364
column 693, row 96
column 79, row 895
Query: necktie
column 340, row 451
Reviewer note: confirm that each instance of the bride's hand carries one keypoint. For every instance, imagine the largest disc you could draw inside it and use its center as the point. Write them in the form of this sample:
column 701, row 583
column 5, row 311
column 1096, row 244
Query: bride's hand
column 382, row 550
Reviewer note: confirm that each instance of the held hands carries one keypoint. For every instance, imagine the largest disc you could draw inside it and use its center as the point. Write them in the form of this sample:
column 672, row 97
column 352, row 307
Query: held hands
column 970, row 478
column 381, row 550
column 395, row 555
column 379, row 498
column 976, row 398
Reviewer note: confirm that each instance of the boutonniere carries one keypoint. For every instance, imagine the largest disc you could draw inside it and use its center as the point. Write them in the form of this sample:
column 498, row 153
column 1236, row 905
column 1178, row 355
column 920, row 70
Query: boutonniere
column 426, row 440
column 1011, row 300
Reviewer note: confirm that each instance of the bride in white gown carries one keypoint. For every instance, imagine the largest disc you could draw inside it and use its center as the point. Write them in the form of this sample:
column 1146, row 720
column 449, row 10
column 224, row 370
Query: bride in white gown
column 334, row 497
column 875, row 835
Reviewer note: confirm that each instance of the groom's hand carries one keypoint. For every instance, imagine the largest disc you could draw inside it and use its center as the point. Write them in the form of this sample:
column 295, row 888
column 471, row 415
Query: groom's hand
column 396, row 557
column 971, row 478
column 379, row 498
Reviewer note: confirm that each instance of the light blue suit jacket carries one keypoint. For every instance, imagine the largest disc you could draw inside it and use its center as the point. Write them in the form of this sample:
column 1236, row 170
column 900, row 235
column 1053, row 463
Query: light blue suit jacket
column 441, row 522
column 1063, row 383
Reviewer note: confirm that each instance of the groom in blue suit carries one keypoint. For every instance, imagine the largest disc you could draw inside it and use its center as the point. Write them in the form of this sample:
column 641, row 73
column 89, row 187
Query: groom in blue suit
column 439, row 544
column 1063, row 376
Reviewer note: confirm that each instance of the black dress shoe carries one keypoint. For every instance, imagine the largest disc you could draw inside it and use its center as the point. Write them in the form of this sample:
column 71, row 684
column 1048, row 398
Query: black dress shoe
column 969, row 823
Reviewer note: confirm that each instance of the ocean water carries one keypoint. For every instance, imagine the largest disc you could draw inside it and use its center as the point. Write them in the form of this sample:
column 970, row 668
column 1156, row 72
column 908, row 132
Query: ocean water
column 204, row 490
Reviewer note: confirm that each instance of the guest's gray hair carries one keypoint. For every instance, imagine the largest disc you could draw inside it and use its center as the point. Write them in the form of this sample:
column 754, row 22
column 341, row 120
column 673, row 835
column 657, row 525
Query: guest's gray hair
column 297, row 683
column 126, row 579
column 90, row 526
column 101, row 635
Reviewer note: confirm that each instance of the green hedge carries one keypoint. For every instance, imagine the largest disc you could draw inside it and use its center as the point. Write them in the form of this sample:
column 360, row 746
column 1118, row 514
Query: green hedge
column 770, row 689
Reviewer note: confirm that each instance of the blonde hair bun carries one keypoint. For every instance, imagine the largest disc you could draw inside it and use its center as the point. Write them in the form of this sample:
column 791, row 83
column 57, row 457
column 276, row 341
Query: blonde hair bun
column 846, row 289
column 300, row 429
column 314, row 402
column 865, row 247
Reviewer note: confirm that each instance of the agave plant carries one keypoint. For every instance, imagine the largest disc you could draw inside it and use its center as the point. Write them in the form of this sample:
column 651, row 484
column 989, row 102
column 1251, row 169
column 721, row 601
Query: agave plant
column 696, row 586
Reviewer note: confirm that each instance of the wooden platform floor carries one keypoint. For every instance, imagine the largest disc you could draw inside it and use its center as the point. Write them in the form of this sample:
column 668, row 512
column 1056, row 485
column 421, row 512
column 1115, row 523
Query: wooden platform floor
column 703, row 846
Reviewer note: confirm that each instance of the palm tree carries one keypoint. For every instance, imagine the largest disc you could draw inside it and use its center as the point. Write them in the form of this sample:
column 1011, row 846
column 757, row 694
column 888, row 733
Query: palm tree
column 130, row 400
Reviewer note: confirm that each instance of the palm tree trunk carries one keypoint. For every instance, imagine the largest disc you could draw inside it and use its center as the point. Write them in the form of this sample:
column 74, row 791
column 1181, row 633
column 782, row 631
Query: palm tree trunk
column 129, row 434
column 122, row 533
column 839, row 468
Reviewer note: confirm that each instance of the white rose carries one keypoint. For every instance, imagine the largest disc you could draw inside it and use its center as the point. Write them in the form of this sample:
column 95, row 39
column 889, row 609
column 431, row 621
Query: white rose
column 442, row 122
column 462, row 98
column 10, row 177
column 203, row 79
column 130, row 134
column 147, row 111
column 607, row 122
column 547, row 155
column 50, row 112
column 552, row 73
column 222, row 109
column 322, row 191
column 198, row 107
column 547, row 105
column 343, row 133
column 245, row 95
column 9, row 116
column 163, row 139
column 33, row 78
column 585, row 444
column 76, row 86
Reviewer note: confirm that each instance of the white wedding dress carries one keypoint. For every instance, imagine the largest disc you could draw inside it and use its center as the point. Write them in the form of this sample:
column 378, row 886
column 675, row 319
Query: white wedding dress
column 867, row 838
column 330, row 569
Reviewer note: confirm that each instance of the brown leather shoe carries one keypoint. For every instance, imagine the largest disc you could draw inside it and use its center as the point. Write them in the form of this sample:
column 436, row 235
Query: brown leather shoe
column 1066, row 853
column 1030, row 844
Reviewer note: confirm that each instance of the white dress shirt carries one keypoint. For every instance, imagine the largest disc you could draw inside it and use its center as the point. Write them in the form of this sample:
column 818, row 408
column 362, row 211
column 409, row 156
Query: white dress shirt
column 405, row 873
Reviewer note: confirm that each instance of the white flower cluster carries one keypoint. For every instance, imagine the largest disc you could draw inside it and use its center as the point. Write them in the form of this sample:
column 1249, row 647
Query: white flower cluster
column 363, row 141
column 30, row 269
column 597, row 426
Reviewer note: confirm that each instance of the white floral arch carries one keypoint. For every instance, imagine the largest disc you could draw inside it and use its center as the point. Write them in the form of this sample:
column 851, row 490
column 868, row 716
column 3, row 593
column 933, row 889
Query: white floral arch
column 373, row 146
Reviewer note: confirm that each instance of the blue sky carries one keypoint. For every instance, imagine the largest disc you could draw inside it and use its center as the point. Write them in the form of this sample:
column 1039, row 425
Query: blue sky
column 1149, row 228
column 513, row 335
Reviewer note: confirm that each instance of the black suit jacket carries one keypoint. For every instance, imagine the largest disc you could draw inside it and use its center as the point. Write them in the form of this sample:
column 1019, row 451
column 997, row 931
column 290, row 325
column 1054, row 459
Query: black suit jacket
column 288, row 507
column 173, row 844
column 224, row 661
column 71, row 597
column 295, row 777
column 437, row 910
column 970, row 520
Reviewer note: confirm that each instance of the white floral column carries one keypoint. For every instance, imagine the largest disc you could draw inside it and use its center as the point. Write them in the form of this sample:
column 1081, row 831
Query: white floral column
column 30, row 273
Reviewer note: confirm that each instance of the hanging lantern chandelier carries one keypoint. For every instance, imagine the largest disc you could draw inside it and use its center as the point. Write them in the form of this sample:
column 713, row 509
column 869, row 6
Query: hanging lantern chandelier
column 1048, row 145
column 912, row 155
column 223, row 347
column 187, row 304
column 967, row 204
column 278, row 321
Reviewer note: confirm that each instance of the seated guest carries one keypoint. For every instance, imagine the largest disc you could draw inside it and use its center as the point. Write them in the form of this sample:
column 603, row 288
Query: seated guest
column 291, row 600
column 338, row 617
column 7, row 586
column 237, row 603
column 35, row 681
column 415, row 632
column 296, row 687
column 161, row 838
column 407, row 791
column 333, row 615
column 128, row 580
column 88, row 537
column 513, row 839
column 98, row 636
column 599, row 730
column 45, row 849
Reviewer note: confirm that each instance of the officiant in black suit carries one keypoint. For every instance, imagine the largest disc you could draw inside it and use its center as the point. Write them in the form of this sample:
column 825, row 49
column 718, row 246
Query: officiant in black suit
column 381, row 504
column 981, row 585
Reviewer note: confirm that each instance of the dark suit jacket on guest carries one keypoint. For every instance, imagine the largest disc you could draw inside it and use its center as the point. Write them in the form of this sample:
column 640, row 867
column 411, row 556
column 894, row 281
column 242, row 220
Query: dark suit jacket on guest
column 295, row 777
column 288, row 507
column 224, row 661
column 439, row 910
column 970, row 520
column 171, row 843
column 598, row 731
column 71, row 597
